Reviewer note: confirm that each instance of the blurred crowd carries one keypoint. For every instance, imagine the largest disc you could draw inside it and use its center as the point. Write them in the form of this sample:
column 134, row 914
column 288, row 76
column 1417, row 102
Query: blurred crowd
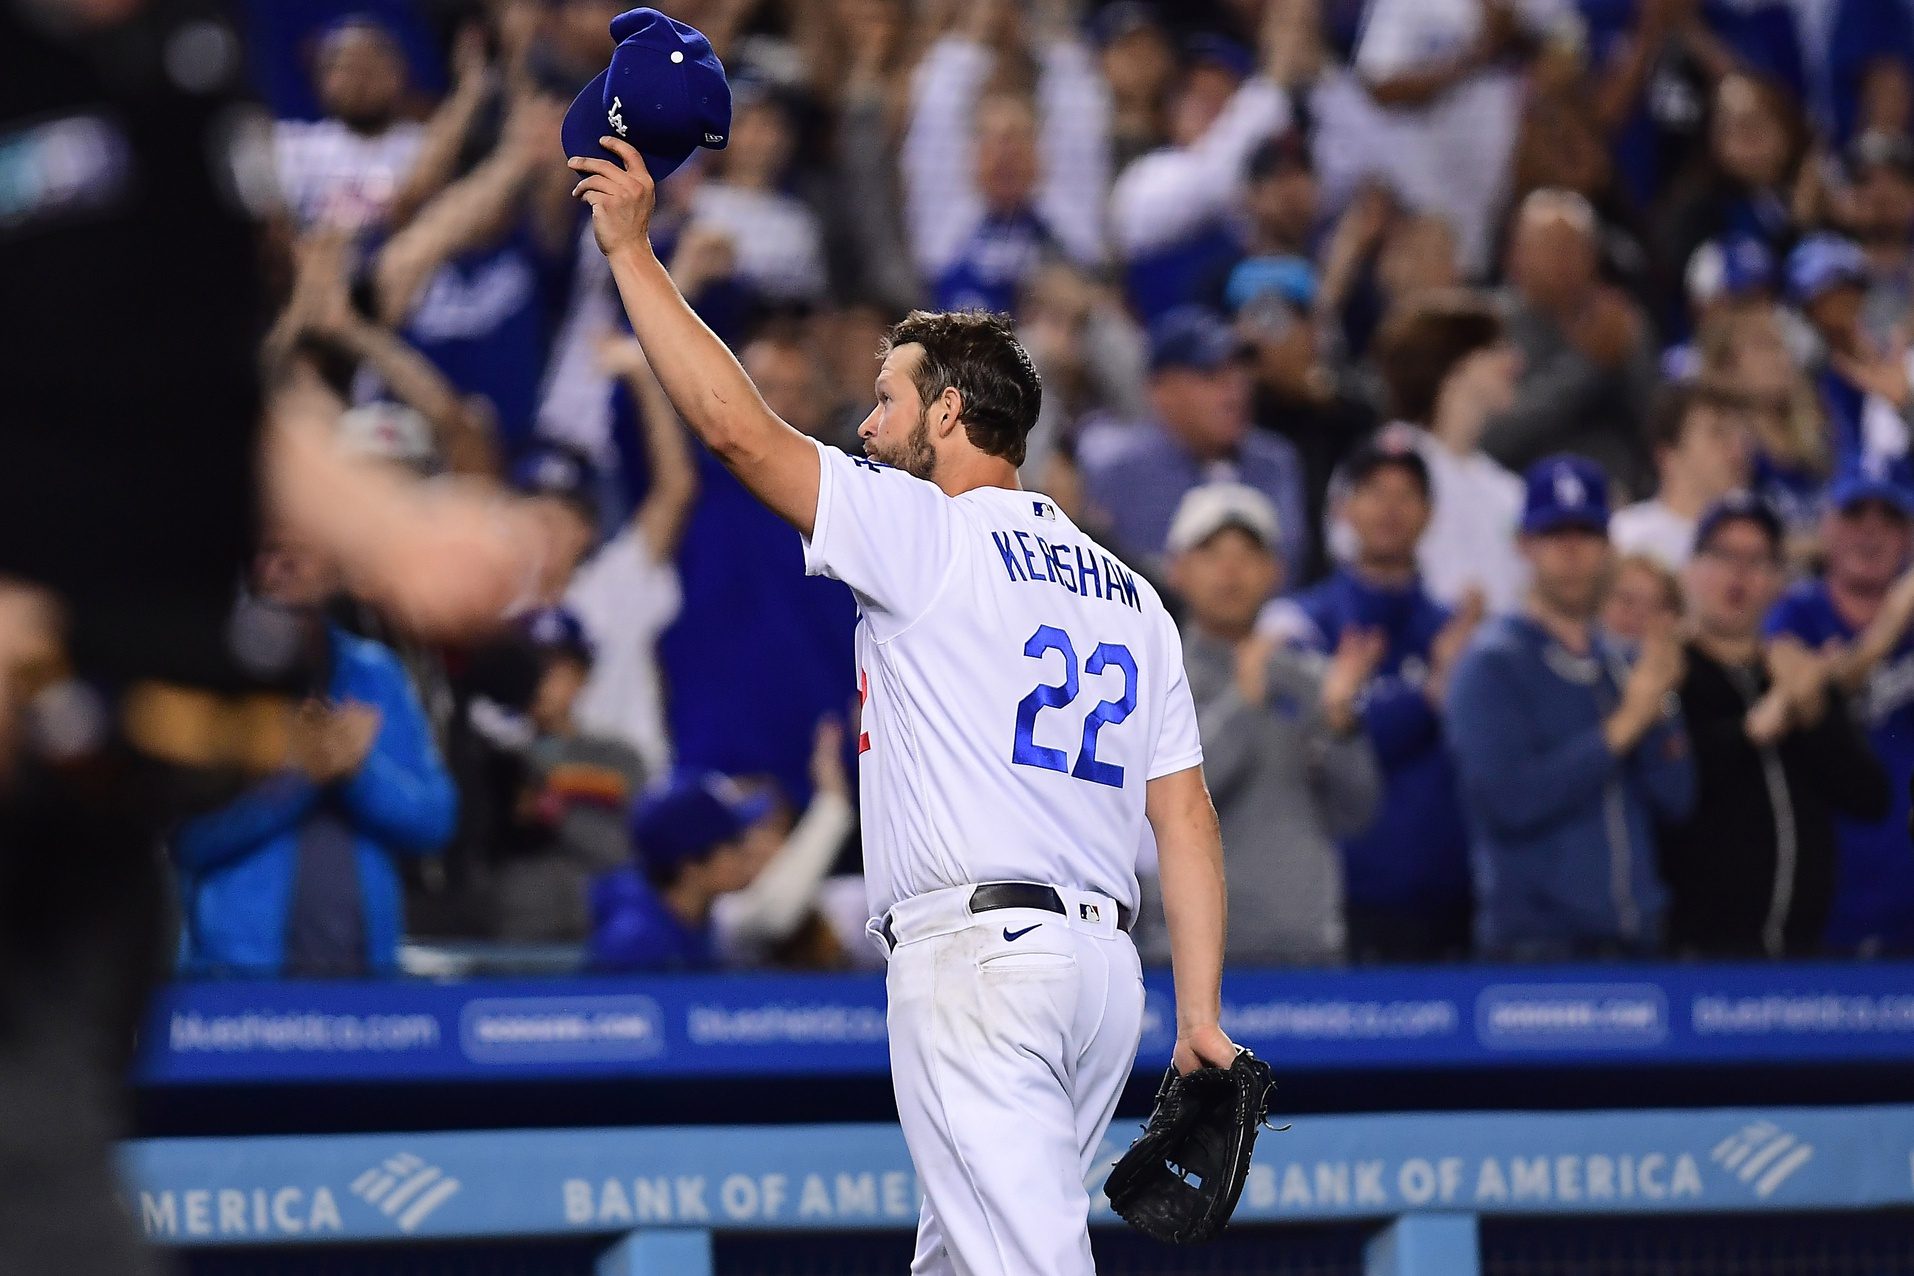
column 1513, row 396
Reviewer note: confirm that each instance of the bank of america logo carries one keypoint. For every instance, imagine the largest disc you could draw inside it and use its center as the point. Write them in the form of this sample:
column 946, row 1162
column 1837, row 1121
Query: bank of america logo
column 405, row 1189
column 1762, row 1155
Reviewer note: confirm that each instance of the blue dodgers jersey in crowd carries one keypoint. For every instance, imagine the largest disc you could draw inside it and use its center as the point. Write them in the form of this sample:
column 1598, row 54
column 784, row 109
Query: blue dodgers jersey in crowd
column 993, row 264
column 760, row 651
column 1874, row 880
column 1563, row 831
column 633, row 929
column 485, row 320
column 1416, row 852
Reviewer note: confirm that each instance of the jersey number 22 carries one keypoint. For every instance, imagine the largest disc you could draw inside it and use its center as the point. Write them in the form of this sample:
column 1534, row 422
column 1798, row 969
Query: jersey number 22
column 1025, row 751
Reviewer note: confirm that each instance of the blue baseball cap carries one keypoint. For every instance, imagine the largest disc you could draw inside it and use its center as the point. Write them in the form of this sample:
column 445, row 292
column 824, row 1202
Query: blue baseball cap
column 1192, row 337
column 1220, row 50
column 1291, row 278
column 557, row 631
column 555, row 470
column 1125, row 17
column 690, row 815
column 1857, row 487
column 664, row 92
column 1733, row 266
column 1823, row 262
column 1565, row 491
column 1740, row 507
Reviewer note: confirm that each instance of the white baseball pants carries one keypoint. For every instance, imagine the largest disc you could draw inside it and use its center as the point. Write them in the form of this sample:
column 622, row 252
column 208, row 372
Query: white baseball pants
column 1012, row 1033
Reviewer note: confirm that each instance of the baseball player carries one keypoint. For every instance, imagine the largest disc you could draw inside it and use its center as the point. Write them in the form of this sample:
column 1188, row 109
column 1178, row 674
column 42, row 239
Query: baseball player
column 1024, row 711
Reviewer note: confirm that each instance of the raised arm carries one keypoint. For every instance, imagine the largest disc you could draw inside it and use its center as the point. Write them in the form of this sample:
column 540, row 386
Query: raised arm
column 1190, row 862
column 705, row 384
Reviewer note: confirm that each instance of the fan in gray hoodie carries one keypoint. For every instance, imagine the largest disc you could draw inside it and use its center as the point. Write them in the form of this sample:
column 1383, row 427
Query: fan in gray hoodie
column 1289, row 767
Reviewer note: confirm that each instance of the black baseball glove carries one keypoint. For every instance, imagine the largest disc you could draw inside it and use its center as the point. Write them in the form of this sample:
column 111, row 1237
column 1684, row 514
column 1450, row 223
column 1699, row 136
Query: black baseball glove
column 1180, row 1180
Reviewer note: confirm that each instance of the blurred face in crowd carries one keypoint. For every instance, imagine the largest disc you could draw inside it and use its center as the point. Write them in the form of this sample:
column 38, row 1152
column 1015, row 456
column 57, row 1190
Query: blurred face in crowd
column 1284, row 205
column 1226, row 580
column 727, row 867
column 1640, row 596
column 1006, row 152
column 557, row 692
column 1387, row 512
column 1139, row 66
column 1734, row 580
column 1552, row 257
column 1206, row 410
column 1283, row 342
column 1205, row 91
column 1881, row 205
column 1749, row 140
column 1714, row 454
column 361, row 78
column 760, row 145
column 786, row 375
column 568, row 534
column 1867, row 545
column 1569, row 568
column 1836, row 315
column 897, row 431
column 1759, row 362
column 580, row 30
column 1886, row 98
column 1418, row 256
column 292, row 573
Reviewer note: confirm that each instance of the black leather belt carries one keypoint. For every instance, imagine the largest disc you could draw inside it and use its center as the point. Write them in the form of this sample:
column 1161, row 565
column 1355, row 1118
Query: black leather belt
column 992, row 896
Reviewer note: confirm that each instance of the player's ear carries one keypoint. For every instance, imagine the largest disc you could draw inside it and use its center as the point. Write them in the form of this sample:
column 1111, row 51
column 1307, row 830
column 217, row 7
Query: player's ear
column 951, row 403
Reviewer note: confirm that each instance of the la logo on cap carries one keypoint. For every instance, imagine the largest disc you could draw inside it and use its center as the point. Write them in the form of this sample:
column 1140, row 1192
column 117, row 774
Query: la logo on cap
column 617, row 117
column 1568, row 488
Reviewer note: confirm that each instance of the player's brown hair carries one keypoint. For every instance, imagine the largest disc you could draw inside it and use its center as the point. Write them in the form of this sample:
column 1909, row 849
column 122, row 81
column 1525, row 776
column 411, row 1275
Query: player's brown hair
column 1421, row 343
column 976, row 354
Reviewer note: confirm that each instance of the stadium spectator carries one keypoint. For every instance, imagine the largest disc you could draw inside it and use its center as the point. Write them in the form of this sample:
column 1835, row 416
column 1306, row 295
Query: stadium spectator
column 1406, row 877
column 1298, row 395
column 1090, row 358
column 1588, row 364
column 475, row 278
column 1448, row 369
column 1138, row 62
column 995, row 178
column 1749, row 348
column 690, row 833
column 1437, row 110
column 1567, row 757
column 1742, row 184
column 1864, row 386
column 346, row 170
column 1703, row 451
column 1644, row 595
column 1173, row 211
column 571, row 822
column 298, row 875
column 780, row 918
column 626, row 593
column 1724, row 277
column 1862, row 609
column 1877, row 210
column 560, row 486
column 1283, row 746
column 742, row 568
column 1134, row 476
column 778, row 242
column 1752, row 876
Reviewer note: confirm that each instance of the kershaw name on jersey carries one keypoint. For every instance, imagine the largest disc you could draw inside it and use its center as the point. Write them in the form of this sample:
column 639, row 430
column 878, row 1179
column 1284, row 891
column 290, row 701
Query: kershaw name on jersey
column 1021, row 686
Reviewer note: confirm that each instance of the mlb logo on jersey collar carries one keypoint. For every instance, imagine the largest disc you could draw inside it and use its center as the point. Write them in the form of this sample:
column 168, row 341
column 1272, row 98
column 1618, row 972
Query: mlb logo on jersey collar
column 1044, row 509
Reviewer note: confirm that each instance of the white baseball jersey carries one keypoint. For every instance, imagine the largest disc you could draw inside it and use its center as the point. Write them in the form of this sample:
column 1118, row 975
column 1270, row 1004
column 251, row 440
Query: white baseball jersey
column 1020, row 686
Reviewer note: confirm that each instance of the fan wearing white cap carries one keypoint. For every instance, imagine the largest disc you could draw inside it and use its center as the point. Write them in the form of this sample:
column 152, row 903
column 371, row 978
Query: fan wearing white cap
column 1289, row 764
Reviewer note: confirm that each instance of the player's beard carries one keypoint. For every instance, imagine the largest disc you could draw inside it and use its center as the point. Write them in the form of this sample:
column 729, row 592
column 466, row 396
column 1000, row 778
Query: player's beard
column 916, row 458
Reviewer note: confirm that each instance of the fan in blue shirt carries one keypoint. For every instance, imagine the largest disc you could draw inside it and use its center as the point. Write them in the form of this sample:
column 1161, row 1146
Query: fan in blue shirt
column 690, row 835
column 1865, row 605
column 1406, row 876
